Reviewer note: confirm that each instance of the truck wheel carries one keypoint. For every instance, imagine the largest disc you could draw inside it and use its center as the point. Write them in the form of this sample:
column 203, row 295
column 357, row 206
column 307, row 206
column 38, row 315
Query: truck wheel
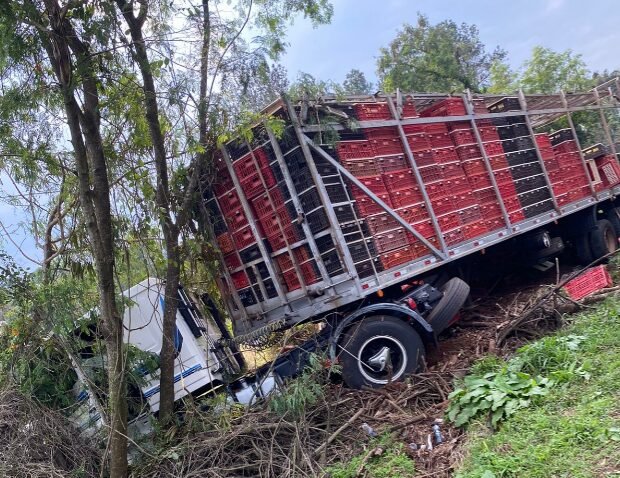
column 582, row 249
column 455, row 293
column 378, row 350
column 603, row 239
column 614, row 217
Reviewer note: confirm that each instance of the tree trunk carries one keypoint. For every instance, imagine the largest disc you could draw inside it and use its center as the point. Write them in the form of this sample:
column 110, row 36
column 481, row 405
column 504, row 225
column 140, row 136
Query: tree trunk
column 170, row 229
column 64, row 46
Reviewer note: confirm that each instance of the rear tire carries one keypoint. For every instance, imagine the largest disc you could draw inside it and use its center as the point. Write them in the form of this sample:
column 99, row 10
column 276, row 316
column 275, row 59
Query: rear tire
column 613, row 215
column 603, row 239
column 378, row 350
column 455, row 293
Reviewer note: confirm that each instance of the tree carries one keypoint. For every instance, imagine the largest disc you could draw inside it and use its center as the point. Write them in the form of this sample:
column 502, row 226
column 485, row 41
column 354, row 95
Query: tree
column 441, row 57
column 223, row 53
column 548, row 71
column 355, row 83
column 502, row 79
column 55, row 47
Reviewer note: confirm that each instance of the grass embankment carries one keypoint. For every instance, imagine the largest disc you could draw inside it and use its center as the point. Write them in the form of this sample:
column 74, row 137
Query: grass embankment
column 572, row 428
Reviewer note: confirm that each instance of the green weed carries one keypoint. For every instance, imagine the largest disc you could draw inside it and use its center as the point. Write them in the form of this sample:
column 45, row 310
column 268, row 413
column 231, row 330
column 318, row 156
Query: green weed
column 387, row 459
column 574, row 430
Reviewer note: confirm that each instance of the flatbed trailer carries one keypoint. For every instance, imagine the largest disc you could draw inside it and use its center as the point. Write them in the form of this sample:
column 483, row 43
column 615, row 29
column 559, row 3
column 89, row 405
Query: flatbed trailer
column 356, row 197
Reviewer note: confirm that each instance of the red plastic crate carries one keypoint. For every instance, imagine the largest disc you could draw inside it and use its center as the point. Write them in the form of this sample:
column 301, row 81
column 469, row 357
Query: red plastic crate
column 441, row 172
column 240, row 280
column 516, row 216
column 229, row 202
column 584, row 284
column 387, row 146
column 488, row 133
column 385, row 132
column 374, row 183
column 419, row 142
column 222, row 183
column 397, row 257
column 495, row 223
column 414, row 214
column 447, row 188
column 471, row 231
column 569, row 146
column 372, row 111
column 551, row 163
column 491, row 209
column 610, row 170
column 424, row 158
column 447, row 107
column 361, row 166
column 473, row 167
column 445, row 155
column 390, row 240
column 493, row 148
column 420, row 250
column 271, row 224
column 309, row 275
column 543, row 141
column 469, row 215
column 409, row 109
column 256, row 183
column 414, row 128
column 268, row 202
column 225, row 242
column 405, row 197
column 391, row 163
column 243, row 237
column 484, row 196
column 567, row 159
column 468, row 152
column 480, row 181
column 355, row 149
column 560, row 188
column 454, row 237
column 440, row 140
column 232, row 261
column 398, row 180
column 250, row 164
column 284, row 261
column 424, row 228
column 463, row 137
column 435, row 128
column 236, row 219
column 381, row 222
column 448, row 221
column 288, row 235
column 367, row 206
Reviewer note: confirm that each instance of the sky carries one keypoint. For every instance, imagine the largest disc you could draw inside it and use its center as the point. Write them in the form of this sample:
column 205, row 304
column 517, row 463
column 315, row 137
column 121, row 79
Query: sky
column 360, row 28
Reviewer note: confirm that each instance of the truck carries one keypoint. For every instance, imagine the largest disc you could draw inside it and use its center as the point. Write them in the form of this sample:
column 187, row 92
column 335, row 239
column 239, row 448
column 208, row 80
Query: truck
column 358, row 211
column 361, row 213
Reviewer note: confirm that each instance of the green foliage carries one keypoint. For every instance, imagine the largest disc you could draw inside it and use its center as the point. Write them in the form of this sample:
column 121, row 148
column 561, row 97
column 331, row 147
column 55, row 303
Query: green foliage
column 301, row 392
column 387, row 460
column 502, row 79
column 548, row 71
column 444, row 57
column 355, row 83
column 496, row 395
column 572, row 431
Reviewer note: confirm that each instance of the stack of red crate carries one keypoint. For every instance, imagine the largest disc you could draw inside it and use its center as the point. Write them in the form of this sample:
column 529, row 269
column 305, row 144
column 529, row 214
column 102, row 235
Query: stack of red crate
column 306, row 265
column 570, row 181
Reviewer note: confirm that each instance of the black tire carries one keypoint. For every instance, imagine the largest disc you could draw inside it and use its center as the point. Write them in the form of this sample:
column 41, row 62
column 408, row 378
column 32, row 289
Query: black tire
column 613, row 215
column 582, row 249
column 603, row 239
column 367, row 339
column 455, row 293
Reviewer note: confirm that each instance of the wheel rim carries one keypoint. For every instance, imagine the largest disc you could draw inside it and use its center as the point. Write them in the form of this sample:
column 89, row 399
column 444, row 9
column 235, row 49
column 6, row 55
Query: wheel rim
column 611, row 241
column 380, row 354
